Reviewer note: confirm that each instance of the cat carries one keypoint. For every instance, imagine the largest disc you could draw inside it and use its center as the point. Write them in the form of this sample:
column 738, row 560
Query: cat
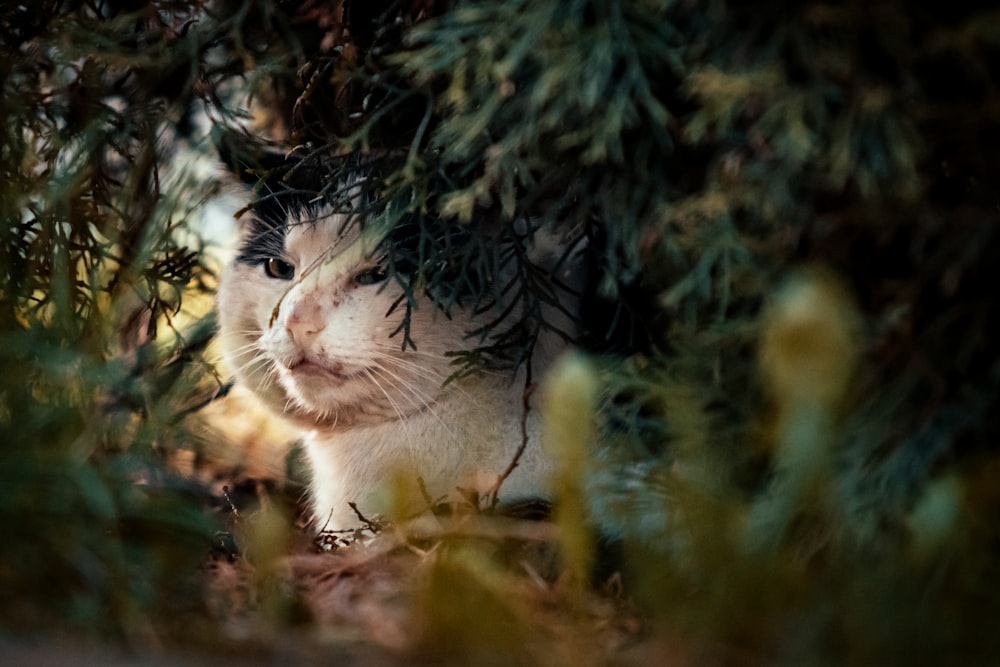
column 309, row 320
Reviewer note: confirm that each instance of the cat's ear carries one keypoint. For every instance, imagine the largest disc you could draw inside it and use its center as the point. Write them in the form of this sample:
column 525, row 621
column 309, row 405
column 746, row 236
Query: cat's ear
column 261, row 167
column 244, row 158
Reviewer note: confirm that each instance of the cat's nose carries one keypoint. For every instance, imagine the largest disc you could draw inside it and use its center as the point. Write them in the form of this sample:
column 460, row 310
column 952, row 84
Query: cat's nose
column 305, row 320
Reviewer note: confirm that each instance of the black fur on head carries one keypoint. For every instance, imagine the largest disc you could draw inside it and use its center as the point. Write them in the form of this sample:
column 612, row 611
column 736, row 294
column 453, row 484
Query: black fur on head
column 290, row 186
column 279, row 181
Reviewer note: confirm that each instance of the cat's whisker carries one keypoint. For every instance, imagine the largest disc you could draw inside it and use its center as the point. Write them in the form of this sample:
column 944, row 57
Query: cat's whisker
column 432, row 374
column 394, row 349
column 416, row 397
column 249, row 349
column 409, row 352
column 294, row 404
column 416, row 368
column 272, row 374
column 392, row 403
column 439, row 358
column 411, row 375
column 414, row 359
column 414, row 393
column 250, row 362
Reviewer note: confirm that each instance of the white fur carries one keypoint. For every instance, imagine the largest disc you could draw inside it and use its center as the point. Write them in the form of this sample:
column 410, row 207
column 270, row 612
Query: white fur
column 384, row 417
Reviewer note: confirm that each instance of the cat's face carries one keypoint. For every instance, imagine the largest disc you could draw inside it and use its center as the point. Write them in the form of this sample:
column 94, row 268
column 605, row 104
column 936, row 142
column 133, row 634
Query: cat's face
column 307, row 320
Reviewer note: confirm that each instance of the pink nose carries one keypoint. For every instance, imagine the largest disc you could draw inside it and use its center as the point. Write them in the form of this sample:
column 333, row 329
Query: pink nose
column 305, row 320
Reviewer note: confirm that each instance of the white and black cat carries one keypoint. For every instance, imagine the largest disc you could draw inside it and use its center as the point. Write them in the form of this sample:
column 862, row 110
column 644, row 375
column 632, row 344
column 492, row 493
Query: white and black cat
column 303, row 322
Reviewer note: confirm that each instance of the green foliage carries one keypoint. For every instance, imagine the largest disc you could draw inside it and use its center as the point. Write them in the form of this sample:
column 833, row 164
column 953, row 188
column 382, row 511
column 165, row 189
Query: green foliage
column 103, row 313
column 800, row 462
column 706, row 150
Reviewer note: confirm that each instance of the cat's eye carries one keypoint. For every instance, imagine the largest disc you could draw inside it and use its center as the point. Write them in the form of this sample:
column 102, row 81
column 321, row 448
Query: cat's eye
column 375, row 274
column 279, row 269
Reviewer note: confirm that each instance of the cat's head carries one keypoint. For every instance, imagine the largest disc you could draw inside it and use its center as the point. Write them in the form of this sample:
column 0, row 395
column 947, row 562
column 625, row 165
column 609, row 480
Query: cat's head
column 310, row 319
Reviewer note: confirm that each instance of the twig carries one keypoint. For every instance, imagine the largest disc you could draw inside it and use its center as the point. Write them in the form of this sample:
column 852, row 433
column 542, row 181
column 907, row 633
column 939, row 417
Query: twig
column 232, row 505
column 529, row 389
column 329, row 539
column 424, row 493
column 369, row 524
column 431, row 505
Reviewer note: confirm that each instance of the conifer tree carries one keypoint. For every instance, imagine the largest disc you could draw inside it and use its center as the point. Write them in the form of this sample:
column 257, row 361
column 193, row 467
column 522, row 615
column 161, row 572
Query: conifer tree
column 100, row 280
column 791, row 225
column 792, row 234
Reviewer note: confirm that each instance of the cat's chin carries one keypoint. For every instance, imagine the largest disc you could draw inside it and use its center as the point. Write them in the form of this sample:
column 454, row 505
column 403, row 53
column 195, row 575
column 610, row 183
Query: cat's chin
column 331, row 397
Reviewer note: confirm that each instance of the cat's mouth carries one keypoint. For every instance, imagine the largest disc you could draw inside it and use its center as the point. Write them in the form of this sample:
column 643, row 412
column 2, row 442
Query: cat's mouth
column 305, row 368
